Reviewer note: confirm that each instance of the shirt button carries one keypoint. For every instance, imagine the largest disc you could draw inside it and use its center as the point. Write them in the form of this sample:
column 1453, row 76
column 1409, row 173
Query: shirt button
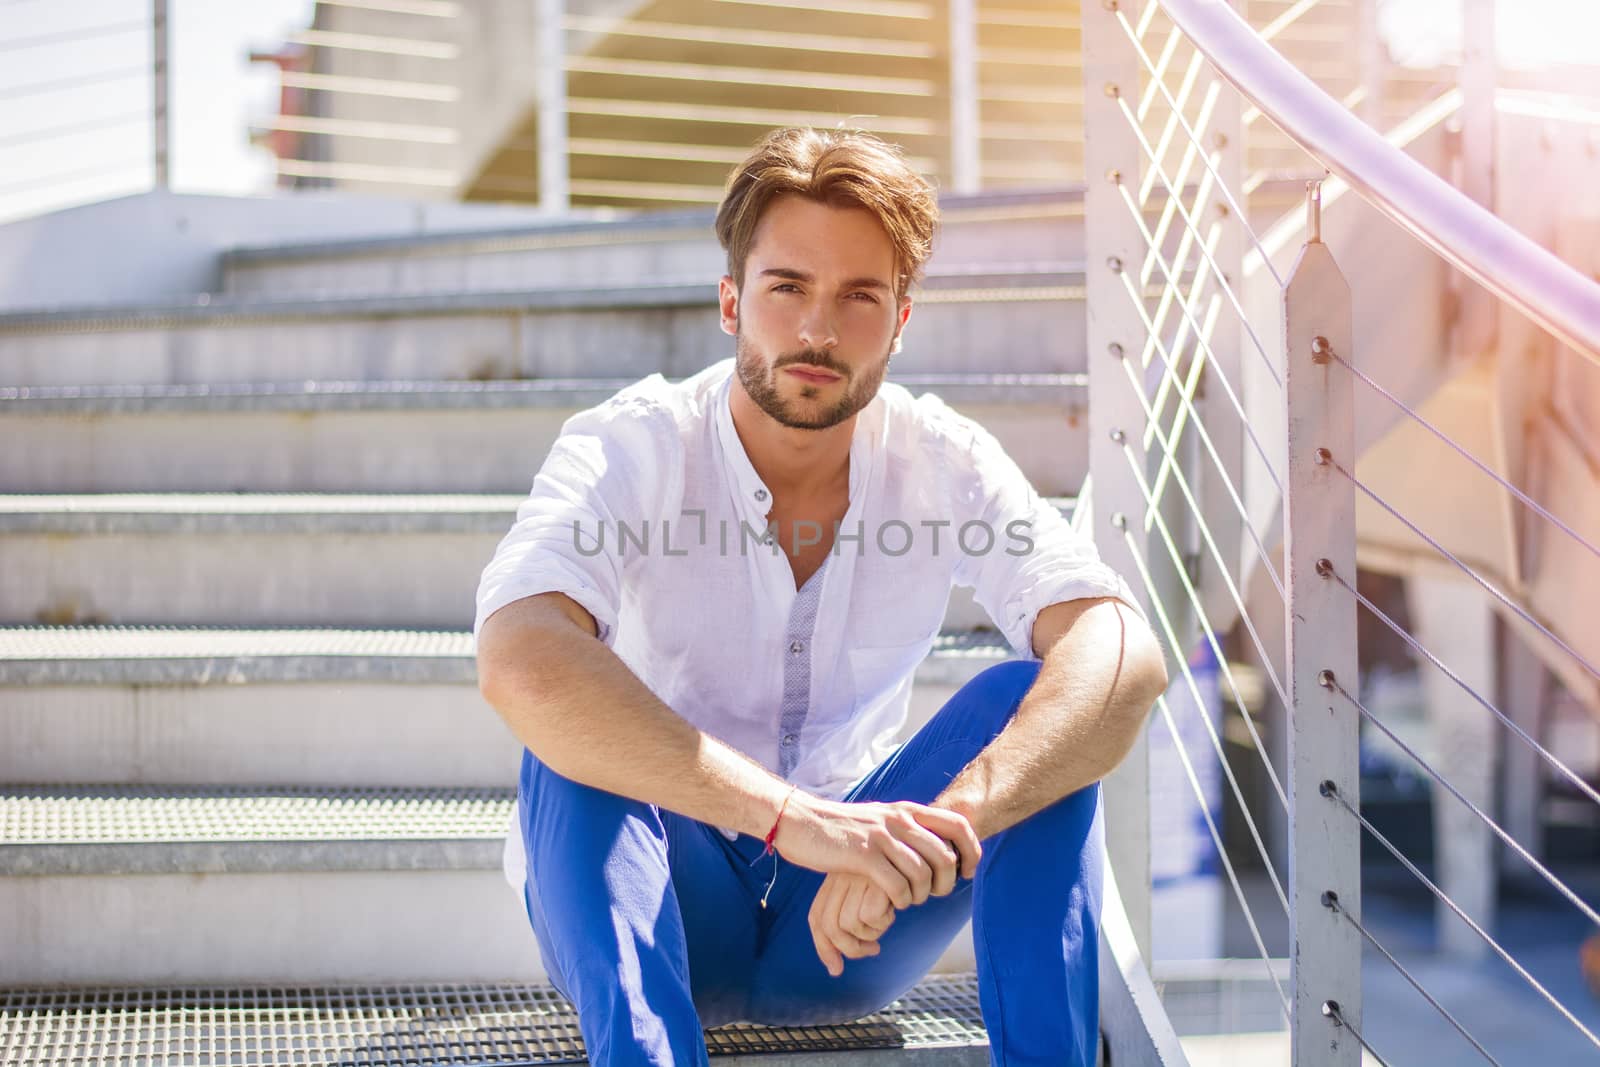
column 767, row 540
column 761, row 494
column 796, row 647
column 789, row 739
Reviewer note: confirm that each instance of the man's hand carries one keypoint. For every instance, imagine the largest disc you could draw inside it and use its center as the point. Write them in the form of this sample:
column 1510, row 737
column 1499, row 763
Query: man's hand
column 902, row 848
column 851, row 912
column 847, row 917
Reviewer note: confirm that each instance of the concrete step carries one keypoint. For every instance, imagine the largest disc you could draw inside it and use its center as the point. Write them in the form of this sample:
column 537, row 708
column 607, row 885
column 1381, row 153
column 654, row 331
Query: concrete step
column 982, row 233
column 936, row 1023
column 412, row 436
column 265, row 884
column 323, row 559
column 1030, row 321
column 220, row 705
column 223, row 884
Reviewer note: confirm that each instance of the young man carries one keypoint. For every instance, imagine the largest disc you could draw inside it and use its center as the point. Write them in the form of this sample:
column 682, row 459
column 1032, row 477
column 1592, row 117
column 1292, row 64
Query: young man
column 703, row 628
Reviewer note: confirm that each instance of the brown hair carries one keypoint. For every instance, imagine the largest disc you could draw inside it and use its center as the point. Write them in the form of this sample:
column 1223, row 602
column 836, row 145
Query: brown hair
column 840, row 168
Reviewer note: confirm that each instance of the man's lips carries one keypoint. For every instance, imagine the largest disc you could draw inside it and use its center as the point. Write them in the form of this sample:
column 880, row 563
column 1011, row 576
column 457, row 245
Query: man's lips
column 812, row 374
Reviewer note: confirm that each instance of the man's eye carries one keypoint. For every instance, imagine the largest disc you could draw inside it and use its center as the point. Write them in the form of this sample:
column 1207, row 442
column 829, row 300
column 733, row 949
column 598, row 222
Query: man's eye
column 868, row 297
column 785, row 287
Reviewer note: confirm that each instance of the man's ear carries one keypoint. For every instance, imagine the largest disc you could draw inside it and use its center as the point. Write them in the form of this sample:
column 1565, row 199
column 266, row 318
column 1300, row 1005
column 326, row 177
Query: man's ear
column 728, row 304
column 900, row 326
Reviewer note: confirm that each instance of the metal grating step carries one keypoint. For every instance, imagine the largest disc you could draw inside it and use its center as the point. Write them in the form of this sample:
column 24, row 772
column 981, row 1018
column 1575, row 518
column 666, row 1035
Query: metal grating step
column 198, row 513
column 176, row 655
column 938, row 1022
column 144, row 829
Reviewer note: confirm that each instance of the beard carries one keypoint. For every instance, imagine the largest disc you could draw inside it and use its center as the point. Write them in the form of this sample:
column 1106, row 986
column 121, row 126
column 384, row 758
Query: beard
column 808, row 413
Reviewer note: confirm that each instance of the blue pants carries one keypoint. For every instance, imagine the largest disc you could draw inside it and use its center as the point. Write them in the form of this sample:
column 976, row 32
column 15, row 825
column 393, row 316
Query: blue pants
column 651, row 924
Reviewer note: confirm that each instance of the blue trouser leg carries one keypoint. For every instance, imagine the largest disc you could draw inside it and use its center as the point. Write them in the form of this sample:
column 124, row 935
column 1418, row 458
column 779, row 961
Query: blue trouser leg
column 647, row 968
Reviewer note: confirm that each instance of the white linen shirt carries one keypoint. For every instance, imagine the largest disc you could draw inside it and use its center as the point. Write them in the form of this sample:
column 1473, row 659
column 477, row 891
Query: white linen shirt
column 812, row 684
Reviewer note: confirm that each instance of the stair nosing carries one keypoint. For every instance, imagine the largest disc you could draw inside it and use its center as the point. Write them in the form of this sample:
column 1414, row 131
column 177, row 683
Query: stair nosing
column 451, row 660
column 205, row 310
column 1042, row 388
column 699, row 219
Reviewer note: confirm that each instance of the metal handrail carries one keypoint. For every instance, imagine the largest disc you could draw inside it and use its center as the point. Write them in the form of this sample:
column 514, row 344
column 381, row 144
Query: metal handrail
column 1522, row 273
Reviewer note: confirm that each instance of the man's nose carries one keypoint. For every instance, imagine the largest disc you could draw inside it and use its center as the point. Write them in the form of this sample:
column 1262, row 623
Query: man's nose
column 817, row 329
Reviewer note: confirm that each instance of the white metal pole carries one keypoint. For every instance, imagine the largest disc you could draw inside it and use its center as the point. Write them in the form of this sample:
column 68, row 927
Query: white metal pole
column 1476, row 329
column 161, row 119
column 1113, row 245
column 554, row 183
column 1320, row 544
column 964, row 150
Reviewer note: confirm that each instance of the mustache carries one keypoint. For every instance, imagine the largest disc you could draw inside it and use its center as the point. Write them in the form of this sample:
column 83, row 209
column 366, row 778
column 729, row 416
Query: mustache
column 811, row 357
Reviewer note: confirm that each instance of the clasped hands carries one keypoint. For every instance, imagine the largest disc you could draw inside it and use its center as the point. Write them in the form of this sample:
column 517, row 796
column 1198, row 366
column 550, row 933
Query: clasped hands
column 877, row 858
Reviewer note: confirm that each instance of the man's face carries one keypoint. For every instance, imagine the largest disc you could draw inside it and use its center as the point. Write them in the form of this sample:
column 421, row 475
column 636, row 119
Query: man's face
column 817, row 315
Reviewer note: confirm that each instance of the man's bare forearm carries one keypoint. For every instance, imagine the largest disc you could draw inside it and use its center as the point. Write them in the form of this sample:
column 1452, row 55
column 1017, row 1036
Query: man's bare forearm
column 577, row 707
column 1099, row 676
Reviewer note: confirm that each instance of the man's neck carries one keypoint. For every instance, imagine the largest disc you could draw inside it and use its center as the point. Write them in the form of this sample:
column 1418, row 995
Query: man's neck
column 791, row 462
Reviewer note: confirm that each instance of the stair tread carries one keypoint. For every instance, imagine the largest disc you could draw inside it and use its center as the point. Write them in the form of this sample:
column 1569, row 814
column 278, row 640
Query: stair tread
column 1052, row 281
column 96, row 829
column 1036, row 388
column 697, row 221
column 224, row 512
column 938, row 1021
column 198, row 655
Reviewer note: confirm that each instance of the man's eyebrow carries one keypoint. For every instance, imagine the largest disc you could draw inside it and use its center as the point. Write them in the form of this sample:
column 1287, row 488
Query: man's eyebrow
column 789, row 273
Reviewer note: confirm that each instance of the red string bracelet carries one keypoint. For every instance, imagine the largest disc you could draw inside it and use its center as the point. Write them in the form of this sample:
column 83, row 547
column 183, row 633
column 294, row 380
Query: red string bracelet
column 772, row 834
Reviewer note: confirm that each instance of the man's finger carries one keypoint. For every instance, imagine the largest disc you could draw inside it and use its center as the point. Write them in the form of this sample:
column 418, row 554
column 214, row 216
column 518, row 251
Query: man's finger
column 909, row 862
column 942, row 860
column 850, row 910
column 887, row 877
column 954, row 828
column 826, row 952
column 877, row 911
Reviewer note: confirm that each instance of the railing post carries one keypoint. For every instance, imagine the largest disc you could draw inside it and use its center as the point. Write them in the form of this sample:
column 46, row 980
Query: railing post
column 1319, row 544
column 161, row 81
column 965, row 154
column 1112, row 244
column 551, row 46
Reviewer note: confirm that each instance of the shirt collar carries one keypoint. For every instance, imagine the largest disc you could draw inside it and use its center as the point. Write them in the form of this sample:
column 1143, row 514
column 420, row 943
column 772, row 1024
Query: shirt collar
column 753, row 495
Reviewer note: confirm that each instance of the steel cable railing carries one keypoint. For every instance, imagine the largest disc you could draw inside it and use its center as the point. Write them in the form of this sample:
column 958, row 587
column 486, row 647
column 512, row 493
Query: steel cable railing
column 1169, row 180
column 1222, row 573
column 1444, row 438
column 1444, row 898
column 1466, row 569
column 1544, row 872
column 1572, row 777
column 1216, row 649
column 1331, row 901
column 1120, row 522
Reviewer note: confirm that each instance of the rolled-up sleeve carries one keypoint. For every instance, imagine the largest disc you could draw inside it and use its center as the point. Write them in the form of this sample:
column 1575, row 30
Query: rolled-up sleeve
column 1036, row 558
column 605, row 467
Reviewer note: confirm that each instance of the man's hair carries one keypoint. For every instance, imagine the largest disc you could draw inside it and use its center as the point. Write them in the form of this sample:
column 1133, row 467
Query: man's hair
column 840, row 168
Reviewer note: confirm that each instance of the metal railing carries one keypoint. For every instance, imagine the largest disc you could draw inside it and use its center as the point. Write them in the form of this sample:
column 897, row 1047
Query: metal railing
column 1229, row 476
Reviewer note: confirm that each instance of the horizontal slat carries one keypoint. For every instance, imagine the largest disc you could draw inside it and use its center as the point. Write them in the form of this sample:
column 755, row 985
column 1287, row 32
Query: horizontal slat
column 799, row 42
column 744, row 116
column 793, row 79
column 365, row 130
column 366, row 42
column 890, row 9
column 338, row 83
